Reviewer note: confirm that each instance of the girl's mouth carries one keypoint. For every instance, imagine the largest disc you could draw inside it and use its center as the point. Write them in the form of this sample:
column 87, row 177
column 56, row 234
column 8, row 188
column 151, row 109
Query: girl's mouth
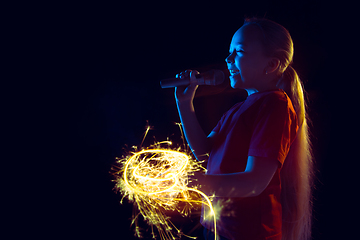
column 233, row 72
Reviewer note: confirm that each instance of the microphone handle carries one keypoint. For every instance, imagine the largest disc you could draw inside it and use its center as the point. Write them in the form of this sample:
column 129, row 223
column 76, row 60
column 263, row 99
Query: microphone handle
column 174, row 82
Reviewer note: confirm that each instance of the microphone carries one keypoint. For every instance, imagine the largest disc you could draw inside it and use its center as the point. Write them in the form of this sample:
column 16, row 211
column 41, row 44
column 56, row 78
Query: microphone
column 212, row 77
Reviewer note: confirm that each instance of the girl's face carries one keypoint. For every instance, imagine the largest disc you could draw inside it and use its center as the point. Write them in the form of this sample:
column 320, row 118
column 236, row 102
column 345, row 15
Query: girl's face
column 247, row 62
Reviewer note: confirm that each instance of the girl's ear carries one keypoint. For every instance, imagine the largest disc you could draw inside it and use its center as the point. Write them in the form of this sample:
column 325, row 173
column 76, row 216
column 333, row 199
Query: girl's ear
column 272, row 66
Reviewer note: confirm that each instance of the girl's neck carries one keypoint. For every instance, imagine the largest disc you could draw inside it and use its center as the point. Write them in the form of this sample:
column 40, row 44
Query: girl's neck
column 251, row 91
column 263, row 88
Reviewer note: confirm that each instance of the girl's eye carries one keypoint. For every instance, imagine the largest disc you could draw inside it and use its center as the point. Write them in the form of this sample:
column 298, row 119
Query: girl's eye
column 240, row 50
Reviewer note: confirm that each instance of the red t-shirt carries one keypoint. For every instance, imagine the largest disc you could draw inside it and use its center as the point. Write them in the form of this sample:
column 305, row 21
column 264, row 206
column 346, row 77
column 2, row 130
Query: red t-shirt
column 264, row 125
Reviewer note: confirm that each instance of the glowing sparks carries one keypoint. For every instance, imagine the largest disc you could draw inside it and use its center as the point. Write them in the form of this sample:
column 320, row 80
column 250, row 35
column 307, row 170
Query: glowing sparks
column 156, row 179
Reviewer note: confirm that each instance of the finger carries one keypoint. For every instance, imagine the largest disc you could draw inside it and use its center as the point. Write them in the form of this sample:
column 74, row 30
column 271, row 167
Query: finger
column 186, row 73
column 193, row 74
column 179, row 75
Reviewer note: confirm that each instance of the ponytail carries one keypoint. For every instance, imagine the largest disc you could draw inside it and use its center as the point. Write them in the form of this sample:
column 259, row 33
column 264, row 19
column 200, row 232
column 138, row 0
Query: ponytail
column 296, row 174
column 291, row 84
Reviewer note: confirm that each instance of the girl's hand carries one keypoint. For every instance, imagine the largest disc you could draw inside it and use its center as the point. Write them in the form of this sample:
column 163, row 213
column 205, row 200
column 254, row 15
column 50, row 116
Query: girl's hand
column 186, row 93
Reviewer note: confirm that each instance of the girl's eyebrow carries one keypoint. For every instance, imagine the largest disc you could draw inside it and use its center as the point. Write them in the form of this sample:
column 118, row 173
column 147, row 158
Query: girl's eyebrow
column 240, row 43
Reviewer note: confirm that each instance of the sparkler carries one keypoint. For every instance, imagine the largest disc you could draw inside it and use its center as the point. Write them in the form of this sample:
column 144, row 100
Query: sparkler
column 156, row 180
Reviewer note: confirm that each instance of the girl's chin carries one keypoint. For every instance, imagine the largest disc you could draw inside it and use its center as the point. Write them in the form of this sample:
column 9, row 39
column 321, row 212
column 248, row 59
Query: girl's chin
column 234, row 81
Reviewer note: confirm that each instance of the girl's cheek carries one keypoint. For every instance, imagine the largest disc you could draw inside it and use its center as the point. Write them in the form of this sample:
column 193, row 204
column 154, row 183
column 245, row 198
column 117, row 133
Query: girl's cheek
column 238, row 63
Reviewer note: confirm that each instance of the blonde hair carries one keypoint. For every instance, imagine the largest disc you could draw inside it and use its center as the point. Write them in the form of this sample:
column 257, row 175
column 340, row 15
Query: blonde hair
column 297, row 171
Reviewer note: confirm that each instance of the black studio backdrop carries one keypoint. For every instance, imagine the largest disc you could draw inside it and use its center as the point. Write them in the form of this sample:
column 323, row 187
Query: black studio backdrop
column 104, row 63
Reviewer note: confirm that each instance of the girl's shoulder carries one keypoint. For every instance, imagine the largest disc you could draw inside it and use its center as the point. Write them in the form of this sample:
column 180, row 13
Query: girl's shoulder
column 271, row 101
column 272, row 95
column 260, row 100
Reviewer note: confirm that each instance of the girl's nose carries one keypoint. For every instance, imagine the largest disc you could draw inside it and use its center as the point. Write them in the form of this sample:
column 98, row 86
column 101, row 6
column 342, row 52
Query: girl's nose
column 230, row 58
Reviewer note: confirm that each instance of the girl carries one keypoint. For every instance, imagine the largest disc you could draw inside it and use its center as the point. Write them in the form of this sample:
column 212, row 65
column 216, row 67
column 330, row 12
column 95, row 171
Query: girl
column 259, row 164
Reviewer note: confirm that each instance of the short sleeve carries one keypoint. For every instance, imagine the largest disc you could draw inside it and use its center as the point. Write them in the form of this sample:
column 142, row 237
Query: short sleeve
column 218, row 125
column 274, row 129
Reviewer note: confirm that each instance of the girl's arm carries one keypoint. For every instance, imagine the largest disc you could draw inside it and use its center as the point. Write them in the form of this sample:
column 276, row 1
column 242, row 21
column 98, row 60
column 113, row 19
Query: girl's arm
column 250, row 183
column 199, row 143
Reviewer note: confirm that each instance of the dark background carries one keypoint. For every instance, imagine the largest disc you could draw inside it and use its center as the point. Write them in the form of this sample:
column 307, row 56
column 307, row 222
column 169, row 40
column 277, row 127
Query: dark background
column 102, row 64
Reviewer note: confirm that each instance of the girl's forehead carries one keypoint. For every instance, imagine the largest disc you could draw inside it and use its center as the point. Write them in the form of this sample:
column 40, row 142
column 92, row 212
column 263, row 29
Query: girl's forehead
column 247, row 35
